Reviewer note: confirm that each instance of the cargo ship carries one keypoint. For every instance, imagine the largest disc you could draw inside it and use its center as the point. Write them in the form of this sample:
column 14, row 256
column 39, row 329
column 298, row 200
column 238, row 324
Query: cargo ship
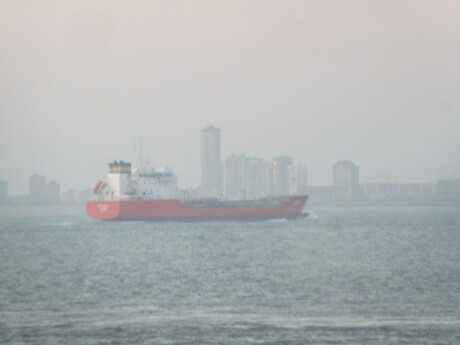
column 152, row 195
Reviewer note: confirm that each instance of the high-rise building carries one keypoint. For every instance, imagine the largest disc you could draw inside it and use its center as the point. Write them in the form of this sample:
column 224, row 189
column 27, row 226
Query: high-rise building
column 246, row 177
column 211, row 165
column 53, row 193
column 258, row 178
column 37, row 188
column 283, row 176
column 448, row 188
column 345, row 180
column 235, row 168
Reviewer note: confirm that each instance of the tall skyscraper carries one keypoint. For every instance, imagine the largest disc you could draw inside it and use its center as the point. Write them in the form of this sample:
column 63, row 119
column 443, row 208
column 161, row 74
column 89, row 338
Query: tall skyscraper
column 258, row 178
column 211, row 165
column 283, row 182
column 345, row 180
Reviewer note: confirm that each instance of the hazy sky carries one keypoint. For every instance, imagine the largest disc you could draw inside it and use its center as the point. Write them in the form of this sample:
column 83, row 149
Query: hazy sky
column 375, row 82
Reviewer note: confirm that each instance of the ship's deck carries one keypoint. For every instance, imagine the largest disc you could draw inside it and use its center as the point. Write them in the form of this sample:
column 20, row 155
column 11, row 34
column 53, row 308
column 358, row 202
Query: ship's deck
column 219, row 204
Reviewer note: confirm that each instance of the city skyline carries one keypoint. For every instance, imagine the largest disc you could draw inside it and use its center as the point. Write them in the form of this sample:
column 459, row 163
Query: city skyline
column 375, row 83
column 18, row 188
column 6, row 190
column 245, row 178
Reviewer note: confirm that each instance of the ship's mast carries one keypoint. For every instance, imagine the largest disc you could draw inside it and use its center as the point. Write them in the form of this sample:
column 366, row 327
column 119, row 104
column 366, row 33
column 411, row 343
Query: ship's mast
column 139, row 150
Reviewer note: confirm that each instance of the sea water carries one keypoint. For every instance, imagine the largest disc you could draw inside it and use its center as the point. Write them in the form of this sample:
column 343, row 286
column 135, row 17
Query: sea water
column 345, row 275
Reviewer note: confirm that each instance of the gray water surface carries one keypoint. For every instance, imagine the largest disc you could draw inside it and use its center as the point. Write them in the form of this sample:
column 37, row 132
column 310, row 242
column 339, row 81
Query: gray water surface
column 347, row 275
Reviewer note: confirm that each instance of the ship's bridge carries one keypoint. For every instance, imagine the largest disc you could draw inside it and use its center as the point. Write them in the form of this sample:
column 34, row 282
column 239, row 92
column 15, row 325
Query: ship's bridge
column 119, row 178
column 120, row 167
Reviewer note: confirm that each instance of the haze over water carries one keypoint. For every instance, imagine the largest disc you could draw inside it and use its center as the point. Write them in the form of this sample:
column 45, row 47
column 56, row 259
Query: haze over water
column 347, row 275
column 375, row 82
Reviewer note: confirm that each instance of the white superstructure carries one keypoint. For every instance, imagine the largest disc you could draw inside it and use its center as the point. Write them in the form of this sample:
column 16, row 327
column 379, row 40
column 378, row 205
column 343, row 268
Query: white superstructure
column 124, row 183
column 119, row 178
column 155, row 184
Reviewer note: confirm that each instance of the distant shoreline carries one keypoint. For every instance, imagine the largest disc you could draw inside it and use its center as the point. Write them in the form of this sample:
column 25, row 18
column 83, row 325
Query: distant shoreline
column 384, row 203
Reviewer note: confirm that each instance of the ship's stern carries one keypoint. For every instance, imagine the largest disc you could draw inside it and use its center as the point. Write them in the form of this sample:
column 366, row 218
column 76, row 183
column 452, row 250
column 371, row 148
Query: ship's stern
column 103, row 209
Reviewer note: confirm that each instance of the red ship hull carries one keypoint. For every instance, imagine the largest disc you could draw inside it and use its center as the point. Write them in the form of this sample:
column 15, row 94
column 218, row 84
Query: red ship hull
column 175, row 210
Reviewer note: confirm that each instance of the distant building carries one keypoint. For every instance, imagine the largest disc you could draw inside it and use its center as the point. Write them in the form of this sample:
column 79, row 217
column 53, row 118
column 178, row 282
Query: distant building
column 235, row 176
column 257, row 178
column 73, row 196
column 246, row 177
column 211, row 165
column 3, row 192
column 345, row 180
column 37, row 188
column 449, row 188
column 41, row 192
column 389, row 191
column 283, row 181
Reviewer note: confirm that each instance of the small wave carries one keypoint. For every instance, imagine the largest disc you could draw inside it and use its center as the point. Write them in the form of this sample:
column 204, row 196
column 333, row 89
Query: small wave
column 311, row 214
column 59, row 224
column 328, row 322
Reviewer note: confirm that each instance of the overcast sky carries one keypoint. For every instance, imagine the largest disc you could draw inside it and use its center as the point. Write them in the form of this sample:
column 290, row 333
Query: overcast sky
column 375, row 82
